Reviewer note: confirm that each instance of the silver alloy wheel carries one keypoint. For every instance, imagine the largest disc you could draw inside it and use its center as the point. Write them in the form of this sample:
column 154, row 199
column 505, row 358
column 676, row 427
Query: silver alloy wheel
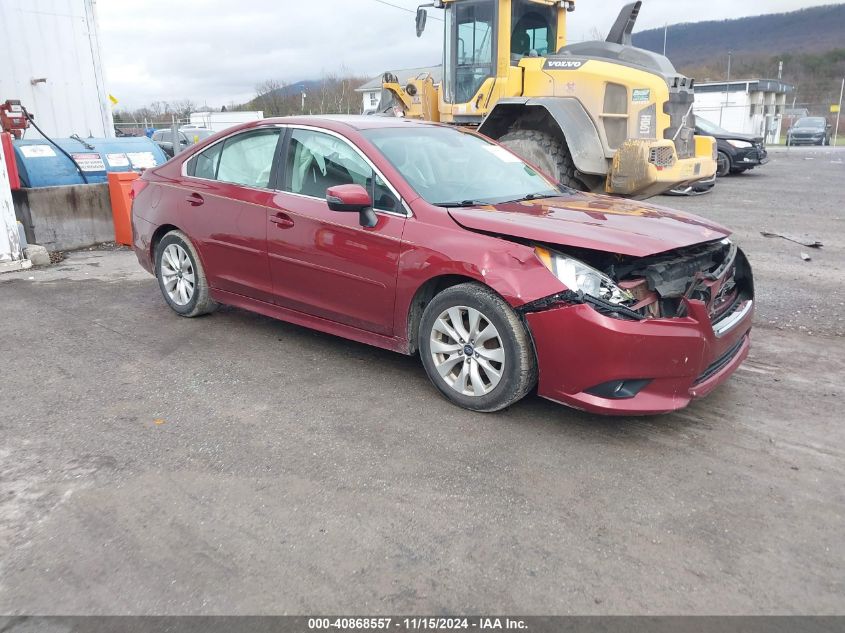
column 177, row 274
column 467, row 351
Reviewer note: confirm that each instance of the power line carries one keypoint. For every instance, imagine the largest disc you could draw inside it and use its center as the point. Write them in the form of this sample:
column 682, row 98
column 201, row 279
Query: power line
column 396, row 6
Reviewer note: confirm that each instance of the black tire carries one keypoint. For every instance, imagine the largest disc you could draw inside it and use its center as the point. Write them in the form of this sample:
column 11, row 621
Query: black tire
column 548, row 152
column 519, row 371
column 200, row 301
column 723, row 165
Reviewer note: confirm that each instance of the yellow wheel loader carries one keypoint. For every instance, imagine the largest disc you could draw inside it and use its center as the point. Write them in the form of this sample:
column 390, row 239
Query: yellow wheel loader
column 600, row 116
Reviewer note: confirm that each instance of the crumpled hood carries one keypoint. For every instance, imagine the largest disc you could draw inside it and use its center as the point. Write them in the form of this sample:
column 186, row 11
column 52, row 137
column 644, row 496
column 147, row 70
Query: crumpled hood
column 596, row 222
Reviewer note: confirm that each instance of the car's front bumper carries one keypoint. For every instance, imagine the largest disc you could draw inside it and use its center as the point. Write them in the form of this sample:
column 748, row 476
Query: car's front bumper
column 806, row 139
column 751, row 157
column 579, row 349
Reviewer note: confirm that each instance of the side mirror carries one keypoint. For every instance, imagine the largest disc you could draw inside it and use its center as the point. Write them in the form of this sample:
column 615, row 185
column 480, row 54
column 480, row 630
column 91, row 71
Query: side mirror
column 422, row 16
column 352, row 199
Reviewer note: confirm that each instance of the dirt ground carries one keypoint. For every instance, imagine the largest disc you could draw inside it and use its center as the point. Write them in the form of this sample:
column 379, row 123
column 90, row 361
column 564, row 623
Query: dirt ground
column 233, row 464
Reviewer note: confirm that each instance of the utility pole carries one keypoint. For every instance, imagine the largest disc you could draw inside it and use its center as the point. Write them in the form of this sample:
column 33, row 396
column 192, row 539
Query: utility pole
column 780, row 70
column 665, row 34
column 838, row 113
column 175, row 132
column 727, row 88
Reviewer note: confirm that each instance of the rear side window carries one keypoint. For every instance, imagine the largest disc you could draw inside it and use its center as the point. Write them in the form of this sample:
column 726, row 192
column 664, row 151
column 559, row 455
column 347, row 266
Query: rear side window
column 245, row 159
column 204, row 164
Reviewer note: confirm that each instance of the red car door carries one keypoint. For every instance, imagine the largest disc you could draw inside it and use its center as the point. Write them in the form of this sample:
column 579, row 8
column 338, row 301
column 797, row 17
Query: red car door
column 225, row 202
column 323, row 262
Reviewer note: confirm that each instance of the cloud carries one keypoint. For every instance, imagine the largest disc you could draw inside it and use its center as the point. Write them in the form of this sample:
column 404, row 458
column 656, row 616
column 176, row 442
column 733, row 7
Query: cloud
column 217, row 51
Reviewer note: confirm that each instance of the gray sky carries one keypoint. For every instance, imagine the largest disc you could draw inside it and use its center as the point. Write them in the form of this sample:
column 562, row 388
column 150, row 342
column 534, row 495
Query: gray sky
column 217, row 51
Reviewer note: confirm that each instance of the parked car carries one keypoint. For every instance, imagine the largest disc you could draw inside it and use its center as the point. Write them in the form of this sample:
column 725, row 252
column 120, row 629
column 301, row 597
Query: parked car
column 187, row 137
column 429, row 239
column 809, row 130
column 737, row 152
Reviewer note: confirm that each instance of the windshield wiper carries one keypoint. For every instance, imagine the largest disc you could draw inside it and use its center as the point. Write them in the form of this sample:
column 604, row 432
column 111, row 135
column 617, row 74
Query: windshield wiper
column 462, row 203
column 536, row 196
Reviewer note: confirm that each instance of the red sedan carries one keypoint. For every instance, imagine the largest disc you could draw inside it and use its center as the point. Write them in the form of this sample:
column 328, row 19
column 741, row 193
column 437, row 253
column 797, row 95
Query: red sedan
column 428, row 239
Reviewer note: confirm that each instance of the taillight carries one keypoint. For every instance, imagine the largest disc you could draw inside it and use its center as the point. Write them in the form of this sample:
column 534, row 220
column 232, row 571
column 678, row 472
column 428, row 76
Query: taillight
column 137, row 187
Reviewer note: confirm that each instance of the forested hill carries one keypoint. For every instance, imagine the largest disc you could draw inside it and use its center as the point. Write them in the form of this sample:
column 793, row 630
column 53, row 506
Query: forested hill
column 814, row 30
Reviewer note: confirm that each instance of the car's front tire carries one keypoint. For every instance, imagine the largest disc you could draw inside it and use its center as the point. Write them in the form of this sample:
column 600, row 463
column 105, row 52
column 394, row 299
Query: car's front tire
column 475, row 349
column 723, row 165
column 181, row 277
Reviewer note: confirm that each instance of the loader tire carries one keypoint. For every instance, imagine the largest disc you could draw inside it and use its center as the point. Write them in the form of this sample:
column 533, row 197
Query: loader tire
column 546, row 151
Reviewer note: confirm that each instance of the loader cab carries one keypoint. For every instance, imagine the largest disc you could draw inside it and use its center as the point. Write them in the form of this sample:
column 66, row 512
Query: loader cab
column 483, row 38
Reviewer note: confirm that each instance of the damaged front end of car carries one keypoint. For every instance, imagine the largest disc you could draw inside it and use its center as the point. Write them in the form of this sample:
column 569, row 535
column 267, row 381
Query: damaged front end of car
column 639, row 335
column 659, row 286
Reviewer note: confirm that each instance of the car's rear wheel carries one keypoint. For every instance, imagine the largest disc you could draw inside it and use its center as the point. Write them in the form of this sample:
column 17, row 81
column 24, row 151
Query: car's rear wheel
column 475, row 349
column 723, row 165
column 181, row 277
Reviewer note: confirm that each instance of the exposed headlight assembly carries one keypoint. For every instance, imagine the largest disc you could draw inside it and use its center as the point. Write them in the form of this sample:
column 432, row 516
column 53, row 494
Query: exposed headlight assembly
column 739, row 144
column 579, row 277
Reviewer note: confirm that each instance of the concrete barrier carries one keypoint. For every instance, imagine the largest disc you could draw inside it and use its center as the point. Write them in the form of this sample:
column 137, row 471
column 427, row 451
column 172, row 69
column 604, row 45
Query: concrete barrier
column 65, row 218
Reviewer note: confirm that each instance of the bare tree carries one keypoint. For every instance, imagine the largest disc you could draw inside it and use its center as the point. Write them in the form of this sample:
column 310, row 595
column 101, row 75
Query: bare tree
column 182, row 108
column 270, row 97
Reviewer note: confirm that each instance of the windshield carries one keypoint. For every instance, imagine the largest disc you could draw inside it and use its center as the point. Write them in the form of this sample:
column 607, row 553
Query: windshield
column 812, row 121
column 449, row 167
column 708, row 127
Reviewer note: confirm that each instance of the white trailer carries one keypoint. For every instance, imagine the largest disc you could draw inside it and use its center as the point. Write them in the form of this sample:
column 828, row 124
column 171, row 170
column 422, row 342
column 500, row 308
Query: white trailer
column 51, row 62
column 218, row 121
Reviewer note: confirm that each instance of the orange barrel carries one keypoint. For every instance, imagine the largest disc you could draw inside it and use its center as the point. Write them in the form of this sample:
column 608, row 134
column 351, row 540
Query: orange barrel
column 120, row 185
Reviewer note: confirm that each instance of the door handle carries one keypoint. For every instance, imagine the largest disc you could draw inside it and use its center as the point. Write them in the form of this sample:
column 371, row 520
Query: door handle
column 282, row 220
column 194, row 199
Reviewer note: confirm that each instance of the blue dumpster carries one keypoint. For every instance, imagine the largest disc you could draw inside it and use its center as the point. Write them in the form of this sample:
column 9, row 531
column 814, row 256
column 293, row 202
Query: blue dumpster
column 42, row 165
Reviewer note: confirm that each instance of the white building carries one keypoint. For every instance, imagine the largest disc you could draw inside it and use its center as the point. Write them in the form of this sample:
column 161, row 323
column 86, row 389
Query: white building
column 218, row 121
column 11, row 254
column 371, row 91
column 50, row 54
column 750, row 106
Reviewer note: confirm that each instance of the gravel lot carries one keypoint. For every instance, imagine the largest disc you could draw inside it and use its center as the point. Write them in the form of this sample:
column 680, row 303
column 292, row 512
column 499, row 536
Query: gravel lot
column 233, row 464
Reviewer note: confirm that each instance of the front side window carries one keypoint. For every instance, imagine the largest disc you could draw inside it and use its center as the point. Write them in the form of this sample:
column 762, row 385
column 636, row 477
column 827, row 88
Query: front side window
column 317, row 161
column 474, row 50
column 448, row 167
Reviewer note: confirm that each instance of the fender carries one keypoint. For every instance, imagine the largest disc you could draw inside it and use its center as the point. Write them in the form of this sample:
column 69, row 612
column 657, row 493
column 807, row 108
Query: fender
column 568, row 115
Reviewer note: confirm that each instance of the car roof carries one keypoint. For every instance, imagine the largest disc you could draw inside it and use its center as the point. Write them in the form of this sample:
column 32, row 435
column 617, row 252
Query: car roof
column 353, row 121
